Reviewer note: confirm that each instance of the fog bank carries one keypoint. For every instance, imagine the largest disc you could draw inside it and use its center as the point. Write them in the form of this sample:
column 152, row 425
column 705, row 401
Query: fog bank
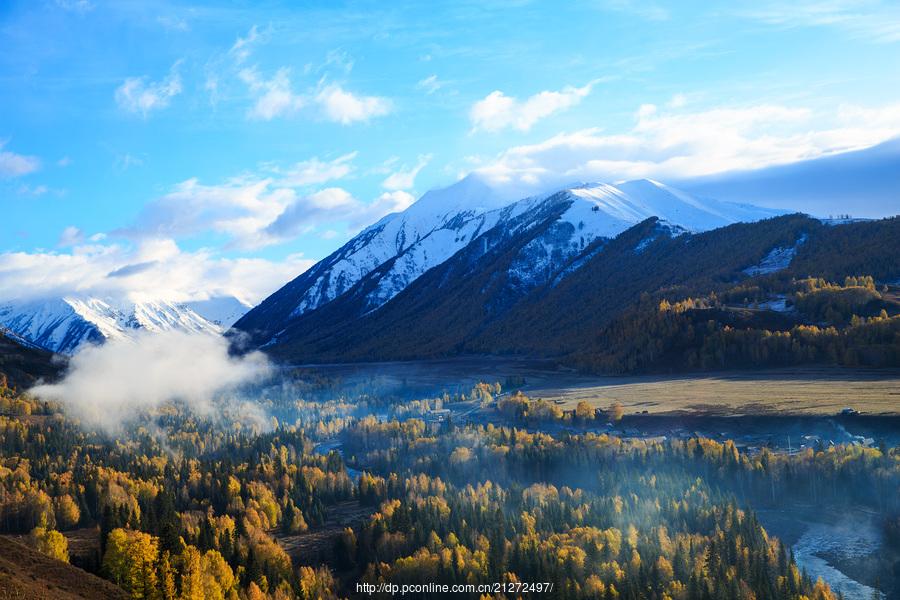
column 108, row 384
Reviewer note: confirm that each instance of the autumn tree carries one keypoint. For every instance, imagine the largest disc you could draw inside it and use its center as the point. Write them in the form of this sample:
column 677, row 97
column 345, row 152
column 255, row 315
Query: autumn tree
column 50, row 542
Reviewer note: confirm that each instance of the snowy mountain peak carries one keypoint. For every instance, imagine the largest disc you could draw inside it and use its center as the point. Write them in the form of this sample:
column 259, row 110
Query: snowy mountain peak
column 470, row 194
column 65, row 324
column 626, row 203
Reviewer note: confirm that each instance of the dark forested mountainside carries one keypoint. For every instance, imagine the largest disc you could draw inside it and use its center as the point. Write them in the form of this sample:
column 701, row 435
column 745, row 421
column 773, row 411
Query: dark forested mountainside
column 475, row 302
column 21, row 366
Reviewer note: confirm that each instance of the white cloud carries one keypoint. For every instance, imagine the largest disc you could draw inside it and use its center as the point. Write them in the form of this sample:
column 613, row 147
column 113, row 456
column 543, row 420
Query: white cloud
column 405, row 178
column 111, row 384
column 239, row 208
column 16, row 165
column 345, row 107
column 253, row 211
column 673, row 145
column 871, row 20
column 274, row 97
column 430, row 84
column 497, row 111
column 315, row 171
column 154, row 268
column 140, row 96
column 70, row 236
column 335, row 205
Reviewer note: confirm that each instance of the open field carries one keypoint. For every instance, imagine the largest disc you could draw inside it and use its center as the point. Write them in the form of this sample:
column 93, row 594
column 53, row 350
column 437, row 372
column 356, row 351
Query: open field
column 802, row 390
column 795, row 391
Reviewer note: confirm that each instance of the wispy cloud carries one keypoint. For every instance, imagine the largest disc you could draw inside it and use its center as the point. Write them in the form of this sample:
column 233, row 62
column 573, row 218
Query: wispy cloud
column 16, row 165
column 241, row 48
column 70, row 236
column 77, row 6
column 430, row 84
column 173, row 23
column 339, row 59
column 277, row 204
column 334, row 204
column 872, row 20
column 141, row 96
column 126, row 161
column 314, row 171
column 273, row 97
column 497, row 111
column 650, row 11
column 33, row 190
column 405, row 178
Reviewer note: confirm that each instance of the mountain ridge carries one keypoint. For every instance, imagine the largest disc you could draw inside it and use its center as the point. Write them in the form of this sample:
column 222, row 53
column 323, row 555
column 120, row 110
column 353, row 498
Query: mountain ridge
column 451, row 220
column 462, row 307
column 63, row 324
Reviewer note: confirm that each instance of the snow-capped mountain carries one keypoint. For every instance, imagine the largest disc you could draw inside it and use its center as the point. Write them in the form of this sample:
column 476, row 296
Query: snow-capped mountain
column 603, row 211
column 425, row 234
column 388, row 256
column 412, row 241
column 64, row 324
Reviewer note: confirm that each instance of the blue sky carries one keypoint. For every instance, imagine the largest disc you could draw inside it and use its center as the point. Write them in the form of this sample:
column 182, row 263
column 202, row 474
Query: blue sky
column 227, row 146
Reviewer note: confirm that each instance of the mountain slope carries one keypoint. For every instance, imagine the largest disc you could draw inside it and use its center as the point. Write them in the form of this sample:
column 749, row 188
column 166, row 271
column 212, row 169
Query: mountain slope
column 471, row 303
column 222, row 311
column 21, row 365
column 425, row 234
column 64, row 324
column 28, row 574
column 580, row 215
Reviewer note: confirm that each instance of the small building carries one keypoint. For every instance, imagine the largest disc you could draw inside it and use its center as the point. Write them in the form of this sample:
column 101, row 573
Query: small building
column 437, row 415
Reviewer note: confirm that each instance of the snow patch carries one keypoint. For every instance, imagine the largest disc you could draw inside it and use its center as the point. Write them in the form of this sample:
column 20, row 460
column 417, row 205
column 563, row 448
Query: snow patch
column 776, row 260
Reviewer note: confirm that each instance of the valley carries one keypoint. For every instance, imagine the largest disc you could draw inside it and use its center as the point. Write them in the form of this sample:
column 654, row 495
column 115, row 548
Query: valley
column 423, row 300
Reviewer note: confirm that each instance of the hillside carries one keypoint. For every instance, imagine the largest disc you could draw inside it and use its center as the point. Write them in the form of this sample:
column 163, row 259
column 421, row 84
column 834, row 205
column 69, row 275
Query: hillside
column 26, row 574
column 22, row 365
column 474, row 303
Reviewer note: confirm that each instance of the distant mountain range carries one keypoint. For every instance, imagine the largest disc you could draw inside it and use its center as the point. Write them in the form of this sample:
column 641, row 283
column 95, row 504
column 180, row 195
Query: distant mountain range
column 863, row 183
column 64, row 324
